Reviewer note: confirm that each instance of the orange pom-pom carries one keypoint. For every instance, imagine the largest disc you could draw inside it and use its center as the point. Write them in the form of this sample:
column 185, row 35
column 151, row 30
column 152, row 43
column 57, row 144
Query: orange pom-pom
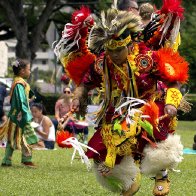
column 62, row 136
column 171, row 66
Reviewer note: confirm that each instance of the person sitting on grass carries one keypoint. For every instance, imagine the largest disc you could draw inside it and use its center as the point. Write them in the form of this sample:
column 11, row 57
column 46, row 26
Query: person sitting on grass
column 45, row 131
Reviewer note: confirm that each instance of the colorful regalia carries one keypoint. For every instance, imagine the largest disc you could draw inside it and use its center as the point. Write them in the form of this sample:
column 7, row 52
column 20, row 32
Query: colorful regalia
column 134, row 134
column 20, row 134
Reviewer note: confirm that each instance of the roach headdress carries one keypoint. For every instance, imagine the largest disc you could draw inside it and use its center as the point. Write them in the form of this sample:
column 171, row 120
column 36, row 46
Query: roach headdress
column 113, row 30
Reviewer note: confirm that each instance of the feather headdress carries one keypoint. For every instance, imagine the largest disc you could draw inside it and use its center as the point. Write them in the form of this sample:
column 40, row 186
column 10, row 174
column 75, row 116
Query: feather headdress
column 114, row 25
column 163, row 30
column 72, row 48
column 74, row 34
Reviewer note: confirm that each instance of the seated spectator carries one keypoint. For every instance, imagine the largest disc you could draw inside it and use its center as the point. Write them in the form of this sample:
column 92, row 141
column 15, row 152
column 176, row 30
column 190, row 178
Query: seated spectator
column 63, row 106
column 145, row 11
column 45, row 131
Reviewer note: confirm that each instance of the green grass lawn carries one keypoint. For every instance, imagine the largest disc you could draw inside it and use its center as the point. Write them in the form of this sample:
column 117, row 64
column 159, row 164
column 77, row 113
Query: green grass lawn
column 55, row 175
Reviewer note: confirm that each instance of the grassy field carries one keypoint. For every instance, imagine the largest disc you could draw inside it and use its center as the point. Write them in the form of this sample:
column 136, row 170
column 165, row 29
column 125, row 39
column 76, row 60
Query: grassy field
column 55, row 175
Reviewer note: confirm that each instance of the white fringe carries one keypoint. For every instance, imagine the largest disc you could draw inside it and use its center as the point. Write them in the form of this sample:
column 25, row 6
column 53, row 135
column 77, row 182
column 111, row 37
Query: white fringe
column 126, row 171
column 167, row 155
column 175, row 30
column 78, row 146
column 131, row 102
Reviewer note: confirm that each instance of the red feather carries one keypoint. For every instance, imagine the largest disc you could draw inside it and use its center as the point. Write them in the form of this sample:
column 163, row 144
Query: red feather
column 171, row 66
column 80, row 15
column 62, row 136
column 172, row 6
column 79, row 66
column 81, row 21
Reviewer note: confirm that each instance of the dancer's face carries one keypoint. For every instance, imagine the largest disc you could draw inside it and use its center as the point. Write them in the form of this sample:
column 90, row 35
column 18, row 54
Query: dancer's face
column 118, row 55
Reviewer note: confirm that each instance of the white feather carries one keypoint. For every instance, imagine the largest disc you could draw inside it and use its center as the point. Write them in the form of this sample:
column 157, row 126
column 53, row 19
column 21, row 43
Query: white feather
column 78, row 147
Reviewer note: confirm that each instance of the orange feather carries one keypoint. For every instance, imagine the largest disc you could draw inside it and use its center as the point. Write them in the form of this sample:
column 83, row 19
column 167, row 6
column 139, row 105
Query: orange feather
column 171, row 66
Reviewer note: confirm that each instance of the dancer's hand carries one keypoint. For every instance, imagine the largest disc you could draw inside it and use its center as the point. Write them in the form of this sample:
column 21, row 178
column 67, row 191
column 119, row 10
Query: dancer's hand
column 170, row 110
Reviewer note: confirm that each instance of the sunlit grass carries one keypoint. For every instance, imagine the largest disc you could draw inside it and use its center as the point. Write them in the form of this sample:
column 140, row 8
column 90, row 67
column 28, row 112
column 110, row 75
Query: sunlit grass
column 55, row 175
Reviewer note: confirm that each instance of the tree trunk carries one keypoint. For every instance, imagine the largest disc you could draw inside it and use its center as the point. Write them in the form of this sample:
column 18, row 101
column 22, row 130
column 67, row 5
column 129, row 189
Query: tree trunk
column 15, row 15
column 38, row 29
column 25, row 47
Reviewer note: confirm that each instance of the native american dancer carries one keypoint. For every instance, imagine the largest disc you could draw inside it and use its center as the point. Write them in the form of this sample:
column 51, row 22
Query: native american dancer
column 137, row 118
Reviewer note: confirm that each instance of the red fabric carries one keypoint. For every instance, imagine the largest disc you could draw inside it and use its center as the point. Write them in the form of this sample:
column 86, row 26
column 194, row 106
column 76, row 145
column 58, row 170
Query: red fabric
column 97, row 144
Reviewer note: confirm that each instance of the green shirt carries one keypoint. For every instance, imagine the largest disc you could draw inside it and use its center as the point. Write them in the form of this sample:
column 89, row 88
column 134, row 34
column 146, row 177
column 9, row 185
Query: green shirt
column 20, row 111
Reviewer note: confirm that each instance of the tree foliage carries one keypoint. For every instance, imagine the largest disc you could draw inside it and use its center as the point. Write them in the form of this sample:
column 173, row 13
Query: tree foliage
column 27, row 20
column 188, row 34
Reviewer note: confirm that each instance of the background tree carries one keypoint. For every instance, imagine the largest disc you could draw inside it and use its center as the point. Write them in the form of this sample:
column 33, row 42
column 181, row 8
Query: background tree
column 28, row 20
column 26, row 24
column 188, row 34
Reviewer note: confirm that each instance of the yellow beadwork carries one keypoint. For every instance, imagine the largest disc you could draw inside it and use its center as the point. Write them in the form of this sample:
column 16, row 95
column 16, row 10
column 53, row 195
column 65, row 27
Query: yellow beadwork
column 118, row 144
column 113, row 44
column 132, row 63
column 173, row 97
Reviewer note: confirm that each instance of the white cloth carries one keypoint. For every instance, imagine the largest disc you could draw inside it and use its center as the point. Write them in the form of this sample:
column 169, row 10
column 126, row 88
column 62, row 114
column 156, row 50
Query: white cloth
column 51, row 136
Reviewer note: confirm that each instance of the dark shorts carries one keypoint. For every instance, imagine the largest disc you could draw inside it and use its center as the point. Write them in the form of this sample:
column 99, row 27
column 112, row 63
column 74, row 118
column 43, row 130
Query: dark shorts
column 49, row 144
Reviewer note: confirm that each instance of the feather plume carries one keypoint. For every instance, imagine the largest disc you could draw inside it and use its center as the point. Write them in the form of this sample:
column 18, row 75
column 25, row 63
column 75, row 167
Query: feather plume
column 168, row 26
column 114, row 5
column 80, row 15
column 172, row 6
column 77, row 68
column 151, row 109
column 75, row 33
column 171, row 65
column 61, row 136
